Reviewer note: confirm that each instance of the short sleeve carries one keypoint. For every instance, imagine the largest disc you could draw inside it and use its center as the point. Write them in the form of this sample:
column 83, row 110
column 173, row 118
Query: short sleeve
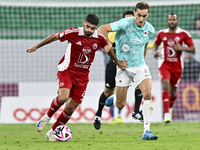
column 120, row 24
column 64, row 35
column 188, row 39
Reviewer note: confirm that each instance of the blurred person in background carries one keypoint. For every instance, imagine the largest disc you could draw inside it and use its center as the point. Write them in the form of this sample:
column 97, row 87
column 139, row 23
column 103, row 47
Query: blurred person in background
column 170, row 64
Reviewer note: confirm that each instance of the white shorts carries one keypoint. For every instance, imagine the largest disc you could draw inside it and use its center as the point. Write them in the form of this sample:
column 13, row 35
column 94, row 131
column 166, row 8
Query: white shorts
column 132, row 74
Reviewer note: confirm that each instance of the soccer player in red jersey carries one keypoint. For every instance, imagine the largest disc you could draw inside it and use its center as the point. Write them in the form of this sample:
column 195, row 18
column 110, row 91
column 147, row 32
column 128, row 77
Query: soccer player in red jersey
column 73, row 68
column 170, row 63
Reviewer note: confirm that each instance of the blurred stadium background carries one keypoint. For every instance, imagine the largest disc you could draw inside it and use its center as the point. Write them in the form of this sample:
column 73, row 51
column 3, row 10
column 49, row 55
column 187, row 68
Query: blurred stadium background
column 28, row 81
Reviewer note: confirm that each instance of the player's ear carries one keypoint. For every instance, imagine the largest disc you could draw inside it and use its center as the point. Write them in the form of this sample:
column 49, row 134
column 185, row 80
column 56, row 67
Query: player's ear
column 134, row 13
column 84, row 22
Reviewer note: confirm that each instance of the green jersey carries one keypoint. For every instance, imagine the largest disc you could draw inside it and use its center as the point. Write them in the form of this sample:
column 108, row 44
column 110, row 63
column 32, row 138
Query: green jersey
column 130, row 40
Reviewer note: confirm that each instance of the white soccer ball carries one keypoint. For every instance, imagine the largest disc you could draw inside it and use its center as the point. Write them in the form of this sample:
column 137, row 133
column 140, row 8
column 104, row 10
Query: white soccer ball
column 63, row 133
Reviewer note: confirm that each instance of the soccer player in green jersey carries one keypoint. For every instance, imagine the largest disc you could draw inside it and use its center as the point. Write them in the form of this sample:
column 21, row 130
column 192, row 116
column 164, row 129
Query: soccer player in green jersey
column 132, row 37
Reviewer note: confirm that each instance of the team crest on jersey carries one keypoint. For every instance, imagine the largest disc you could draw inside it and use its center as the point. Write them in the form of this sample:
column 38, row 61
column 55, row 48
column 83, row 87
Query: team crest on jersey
column 62, row 84
column 170, row 42
column 86, row 50
column 116, row 22
column 145, row 33
column 177, row 39
column 94, row 46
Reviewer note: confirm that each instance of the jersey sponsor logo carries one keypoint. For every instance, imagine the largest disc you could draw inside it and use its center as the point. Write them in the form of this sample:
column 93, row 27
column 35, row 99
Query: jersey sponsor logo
column 83, row 59
column 170, row 42
column 136, row 41
column 86, row 50
column 125, row 47
column 94, row 46
column 165, row 38
column 79, row 43
column 116, row 22
column 170, row 52
column 145, row 33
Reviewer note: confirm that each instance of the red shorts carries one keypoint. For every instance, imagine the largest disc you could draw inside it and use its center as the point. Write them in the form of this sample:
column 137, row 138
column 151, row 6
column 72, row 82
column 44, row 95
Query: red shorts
column 76, row 85
column 168, row 73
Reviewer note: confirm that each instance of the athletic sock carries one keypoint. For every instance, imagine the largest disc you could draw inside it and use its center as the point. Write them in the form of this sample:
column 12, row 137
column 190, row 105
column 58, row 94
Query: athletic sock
column 102, row 100
column 62, row 119
column 55, row 105
column 147, row 113
column 138, row 99
column 172, row 100
column 165, row 99
column 112, row 110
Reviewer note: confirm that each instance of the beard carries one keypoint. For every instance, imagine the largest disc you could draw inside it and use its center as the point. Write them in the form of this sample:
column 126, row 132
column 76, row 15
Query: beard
column 172, row 27
column 88, row 33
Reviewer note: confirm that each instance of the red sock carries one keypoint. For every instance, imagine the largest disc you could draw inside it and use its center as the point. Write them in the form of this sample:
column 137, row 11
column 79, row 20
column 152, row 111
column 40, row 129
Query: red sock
column 165, row 99
column 55, row 105
column 172, row 100
column 62, row 119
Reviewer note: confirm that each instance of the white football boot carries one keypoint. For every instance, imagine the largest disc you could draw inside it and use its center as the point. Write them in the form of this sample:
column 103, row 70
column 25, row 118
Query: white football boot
column 42, row 123
column 50, row 135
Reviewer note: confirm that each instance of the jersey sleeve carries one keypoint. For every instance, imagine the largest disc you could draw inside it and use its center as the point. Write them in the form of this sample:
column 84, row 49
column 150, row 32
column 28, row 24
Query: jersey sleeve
column 120, row 24
column 64, row 35
column 158, row 39
column 151, row 31
column 111, row 36
column 188, row 40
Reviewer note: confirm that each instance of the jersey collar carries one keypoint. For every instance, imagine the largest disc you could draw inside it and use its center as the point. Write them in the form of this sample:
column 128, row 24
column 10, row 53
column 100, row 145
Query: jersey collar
column 178, row 30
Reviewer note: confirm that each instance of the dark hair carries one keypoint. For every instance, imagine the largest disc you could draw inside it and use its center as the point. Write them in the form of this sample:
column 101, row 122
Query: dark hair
column 93, row 19
column 128, row 13
column 142, row 6
column 174, row 14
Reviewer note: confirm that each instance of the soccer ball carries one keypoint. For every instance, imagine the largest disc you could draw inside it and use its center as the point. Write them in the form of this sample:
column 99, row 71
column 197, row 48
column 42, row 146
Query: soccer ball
column 63, row 133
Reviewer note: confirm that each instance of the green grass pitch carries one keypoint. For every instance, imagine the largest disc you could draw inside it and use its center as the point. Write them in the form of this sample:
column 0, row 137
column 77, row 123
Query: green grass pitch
column 127, row 136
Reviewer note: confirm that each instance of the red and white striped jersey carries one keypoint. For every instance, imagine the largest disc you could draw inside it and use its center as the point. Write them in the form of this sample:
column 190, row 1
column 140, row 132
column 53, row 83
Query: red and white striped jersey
column 171, row 57
column 80, row 50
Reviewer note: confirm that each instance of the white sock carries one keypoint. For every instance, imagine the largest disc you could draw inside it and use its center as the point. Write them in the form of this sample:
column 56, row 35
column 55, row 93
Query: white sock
column 147, row 113
column 115, row 99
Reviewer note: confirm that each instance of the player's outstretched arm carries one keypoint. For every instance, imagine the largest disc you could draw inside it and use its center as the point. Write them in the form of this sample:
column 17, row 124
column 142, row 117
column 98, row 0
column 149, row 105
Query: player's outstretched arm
column 104, row 29
column 47, row 40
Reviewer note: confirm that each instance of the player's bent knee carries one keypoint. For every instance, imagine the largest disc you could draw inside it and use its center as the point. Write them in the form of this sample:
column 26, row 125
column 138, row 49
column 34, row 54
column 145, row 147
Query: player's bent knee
column 69, row 111
column 120, row 105
column 62, row 99
column 147, row 95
